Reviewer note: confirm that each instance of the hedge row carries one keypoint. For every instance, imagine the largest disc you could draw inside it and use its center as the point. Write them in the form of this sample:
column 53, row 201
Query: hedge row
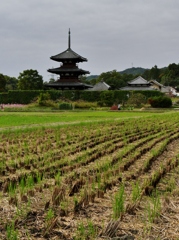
column 104, row 97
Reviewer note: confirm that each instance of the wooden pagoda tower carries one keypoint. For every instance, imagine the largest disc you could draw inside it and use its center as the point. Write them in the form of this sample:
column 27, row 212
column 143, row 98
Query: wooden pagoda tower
column 68, row 71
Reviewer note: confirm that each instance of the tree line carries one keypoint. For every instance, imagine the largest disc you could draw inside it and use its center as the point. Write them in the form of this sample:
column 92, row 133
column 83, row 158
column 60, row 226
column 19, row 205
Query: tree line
column 168, row 76
column 27, row 80
column 31, row 80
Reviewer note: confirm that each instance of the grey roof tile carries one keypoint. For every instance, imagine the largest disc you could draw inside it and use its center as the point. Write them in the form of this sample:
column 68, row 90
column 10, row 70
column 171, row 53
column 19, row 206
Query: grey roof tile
column 100, row 86
column 68, row 54
column 139, row 80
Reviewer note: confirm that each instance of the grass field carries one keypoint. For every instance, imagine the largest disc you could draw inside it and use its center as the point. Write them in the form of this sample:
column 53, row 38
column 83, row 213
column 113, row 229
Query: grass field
column 9, row 119
column 112, row 174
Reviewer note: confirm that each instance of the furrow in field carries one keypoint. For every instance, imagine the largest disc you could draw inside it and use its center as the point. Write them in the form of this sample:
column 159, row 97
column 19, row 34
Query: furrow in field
column 91, row 173
column 54, row 166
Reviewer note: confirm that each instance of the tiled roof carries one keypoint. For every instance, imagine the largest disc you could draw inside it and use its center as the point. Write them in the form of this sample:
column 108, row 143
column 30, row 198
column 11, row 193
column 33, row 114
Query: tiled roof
column 155, row 82
column 100, row 86
column 139, row 80
column 68, row 54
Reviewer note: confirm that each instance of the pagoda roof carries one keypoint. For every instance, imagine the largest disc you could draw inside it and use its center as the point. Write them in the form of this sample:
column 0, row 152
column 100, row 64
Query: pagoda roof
column 69, row 70
column 68, row 54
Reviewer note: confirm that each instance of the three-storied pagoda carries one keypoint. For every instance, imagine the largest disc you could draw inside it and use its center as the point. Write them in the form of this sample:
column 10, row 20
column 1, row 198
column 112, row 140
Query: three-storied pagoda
column 68, row 71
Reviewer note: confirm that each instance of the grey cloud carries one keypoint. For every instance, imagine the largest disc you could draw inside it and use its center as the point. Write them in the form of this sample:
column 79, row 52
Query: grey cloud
column 112, row 34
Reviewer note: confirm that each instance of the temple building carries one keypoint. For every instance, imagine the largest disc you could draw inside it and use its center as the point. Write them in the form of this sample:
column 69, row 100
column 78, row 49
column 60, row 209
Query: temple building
column 69, row 72
column 138, row 83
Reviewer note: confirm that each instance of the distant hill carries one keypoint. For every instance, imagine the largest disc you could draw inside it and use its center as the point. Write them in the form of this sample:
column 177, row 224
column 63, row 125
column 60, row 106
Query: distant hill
column 91, row 77
column 134, row 71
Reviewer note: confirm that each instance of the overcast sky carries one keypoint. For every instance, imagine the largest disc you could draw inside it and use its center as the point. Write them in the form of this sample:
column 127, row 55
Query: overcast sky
column 111, row 34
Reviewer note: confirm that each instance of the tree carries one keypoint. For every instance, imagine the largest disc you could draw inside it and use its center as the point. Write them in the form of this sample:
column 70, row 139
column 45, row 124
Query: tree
column 91, row 81
column 112, row 78
column 136, row 100
column 11, row 83
column 171, row 75
column 2, row 83
column 153, row 73
column 30, row 80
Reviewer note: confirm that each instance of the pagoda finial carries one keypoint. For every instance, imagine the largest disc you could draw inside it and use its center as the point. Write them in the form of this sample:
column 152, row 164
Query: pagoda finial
column 69, row 40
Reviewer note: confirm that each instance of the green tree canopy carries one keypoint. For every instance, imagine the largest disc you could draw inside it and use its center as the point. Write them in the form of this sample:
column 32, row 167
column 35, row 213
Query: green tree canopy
column 11, row 83
column 91, row 81
column 112, row 78
column 152, row 74
column 171, row 75
column 2, row 83
column 30, row 80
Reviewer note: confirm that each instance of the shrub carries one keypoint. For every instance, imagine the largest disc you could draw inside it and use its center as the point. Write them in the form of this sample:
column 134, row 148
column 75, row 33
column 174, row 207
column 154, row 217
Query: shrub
column 43, row 98
column 85, row 105
column 136, row 100
column 160, row 102
column 114, row 107
column 100, row 104
column 65, row 106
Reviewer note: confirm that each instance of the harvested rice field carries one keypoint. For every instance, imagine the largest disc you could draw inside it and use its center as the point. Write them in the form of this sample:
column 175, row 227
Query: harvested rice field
column 115, row 179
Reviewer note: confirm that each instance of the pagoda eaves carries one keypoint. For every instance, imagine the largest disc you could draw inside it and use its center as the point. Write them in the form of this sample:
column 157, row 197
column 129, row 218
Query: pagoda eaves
column 69, row 54
column 69, row 70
